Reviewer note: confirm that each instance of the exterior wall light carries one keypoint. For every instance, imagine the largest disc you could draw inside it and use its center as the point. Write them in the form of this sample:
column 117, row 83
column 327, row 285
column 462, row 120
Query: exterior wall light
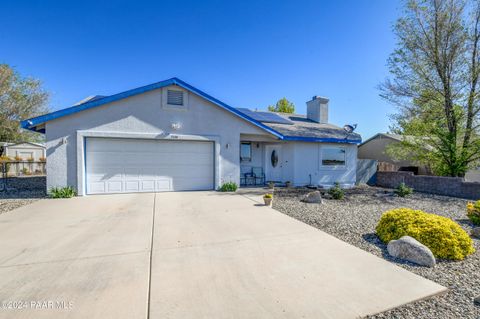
column 176, row 126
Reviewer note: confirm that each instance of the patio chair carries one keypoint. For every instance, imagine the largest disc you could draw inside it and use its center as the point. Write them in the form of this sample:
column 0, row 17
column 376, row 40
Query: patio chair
column 259, row 175
column 245, row 175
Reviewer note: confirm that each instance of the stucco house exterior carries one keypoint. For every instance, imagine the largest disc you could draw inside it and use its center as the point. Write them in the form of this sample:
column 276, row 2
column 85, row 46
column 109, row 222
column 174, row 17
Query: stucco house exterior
column 376, row 148
column 171, row 136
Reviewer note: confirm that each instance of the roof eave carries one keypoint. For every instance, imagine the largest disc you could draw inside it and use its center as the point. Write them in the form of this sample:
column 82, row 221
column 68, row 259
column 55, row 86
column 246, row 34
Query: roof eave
column 32, row 123
column 322, row 139
column 379, row 135
column 227, row 107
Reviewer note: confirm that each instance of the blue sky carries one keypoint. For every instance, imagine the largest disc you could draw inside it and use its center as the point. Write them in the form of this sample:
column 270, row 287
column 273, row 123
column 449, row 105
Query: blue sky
column 245, row 53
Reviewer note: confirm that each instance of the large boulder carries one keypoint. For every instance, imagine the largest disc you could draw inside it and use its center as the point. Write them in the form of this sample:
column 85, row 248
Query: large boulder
column 408, row 248
column 475, row 232
column 313, row 197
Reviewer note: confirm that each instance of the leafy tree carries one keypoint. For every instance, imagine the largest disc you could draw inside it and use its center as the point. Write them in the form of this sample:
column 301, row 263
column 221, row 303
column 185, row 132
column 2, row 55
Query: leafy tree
column 20, row 98
column 435, row 84
column 283, row 105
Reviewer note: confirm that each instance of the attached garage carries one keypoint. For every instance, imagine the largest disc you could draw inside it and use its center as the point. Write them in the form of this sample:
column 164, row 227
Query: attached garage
column 122, row 165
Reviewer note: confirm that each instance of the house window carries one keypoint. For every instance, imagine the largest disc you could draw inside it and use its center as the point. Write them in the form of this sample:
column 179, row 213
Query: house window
column 246, row 152
column 175, row 97
column 333, row 156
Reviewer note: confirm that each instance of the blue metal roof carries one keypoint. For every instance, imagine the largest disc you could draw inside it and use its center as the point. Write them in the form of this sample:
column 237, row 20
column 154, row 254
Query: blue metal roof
column 33, row 123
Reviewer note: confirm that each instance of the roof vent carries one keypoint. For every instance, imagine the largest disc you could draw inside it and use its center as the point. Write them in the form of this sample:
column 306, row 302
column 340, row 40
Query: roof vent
column 174, row 97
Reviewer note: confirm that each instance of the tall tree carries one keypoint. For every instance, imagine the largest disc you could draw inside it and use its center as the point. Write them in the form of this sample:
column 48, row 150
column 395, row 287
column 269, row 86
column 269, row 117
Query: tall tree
column 283, row 105
column 435, row 84
column 20, row 98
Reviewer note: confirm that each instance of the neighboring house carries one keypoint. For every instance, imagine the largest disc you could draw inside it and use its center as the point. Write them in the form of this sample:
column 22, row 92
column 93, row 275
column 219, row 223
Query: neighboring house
column 24, row 150
column 376, row 146
column 170, row 136
column 473, row 175
column 29, row 157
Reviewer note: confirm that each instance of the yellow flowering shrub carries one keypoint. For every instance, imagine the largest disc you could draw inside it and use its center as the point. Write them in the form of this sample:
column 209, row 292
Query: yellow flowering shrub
column 445, row 238
column 473, row 212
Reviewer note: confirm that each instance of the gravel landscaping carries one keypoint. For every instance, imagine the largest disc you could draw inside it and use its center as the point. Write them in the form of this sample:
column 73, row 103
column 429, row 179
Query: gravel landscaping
column 21, row 191
column 354, row 219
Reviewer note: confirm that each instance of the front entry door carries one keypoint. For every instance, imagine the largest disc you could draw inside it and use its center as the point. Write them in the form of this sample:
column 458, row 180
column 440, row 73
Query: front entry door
column 273, row 163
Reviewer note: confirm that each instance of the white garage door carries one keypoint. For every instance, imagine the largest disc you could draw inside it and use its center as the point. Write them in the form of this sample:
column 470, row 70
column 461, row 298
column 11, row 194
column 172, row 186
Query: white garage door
column 131, row 165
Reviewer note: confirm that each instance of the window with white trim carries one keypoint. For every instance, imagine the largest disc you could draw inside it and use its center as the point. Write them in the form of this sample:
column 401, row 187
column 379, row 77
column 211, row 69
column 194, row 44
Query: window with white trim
column 333, row 156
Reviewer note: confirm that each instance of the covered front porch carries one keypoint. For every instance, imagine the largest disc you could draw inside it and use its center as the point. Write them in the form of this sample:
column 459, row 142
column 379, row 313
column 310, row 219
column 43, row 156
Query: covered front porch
column 261, row 161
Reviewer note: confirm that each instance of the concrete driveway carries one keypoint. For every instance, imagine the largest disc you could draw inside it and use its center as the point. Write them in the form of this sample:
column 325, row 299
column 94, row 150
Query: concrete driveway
column 186, row 255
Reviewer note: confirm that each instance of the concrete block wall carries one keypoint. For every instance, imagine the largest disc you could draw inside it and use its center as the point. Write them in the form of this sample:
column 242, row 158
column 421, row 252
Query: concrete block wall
column 440, row 185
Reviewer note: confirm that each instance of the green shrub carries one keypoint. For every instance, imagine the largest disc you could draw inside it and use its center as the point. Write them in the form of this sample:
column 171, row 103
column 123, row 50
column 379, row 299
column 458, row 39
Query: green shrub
column 403, row 190
column 445, row 238
column 228, row 187
column 268, row 195
column 336, row 192
column 473, row 212
column 62, row 192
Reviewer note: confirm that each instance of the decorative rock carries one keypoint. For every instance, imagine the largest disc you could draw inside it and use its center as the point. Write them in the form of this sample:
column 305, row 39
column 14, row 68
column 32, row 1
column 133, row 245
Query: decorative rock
column 475, row 232
column 410, row 249
column 477, row 300
column 313, row 197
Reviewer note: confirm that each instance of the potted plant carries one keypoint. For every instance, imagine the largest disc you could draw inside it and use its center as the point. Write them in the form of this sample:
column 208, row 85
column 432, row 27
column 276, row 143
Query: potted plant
column 288, row 184
column 271, row 185
column 268, row 198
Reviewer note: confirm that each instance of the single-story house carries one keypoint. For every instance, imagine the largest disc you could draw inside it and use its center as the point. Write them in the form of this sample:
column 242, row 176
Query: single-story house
column 24, row 150
column 171, row 136
column 376, row 148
